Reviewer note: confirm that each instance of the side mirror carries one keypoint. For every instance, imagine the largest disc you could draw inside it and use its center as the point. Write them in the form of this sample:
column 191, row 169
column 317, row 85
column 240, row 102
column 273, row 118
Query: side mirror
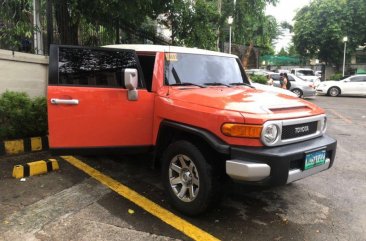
column 131, row 82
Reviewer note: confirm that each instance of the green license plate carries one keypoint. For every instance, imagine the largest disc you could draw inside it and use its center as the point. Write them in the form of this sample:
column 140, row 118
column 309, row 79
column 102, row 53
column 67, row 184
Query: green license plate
column 314, row 159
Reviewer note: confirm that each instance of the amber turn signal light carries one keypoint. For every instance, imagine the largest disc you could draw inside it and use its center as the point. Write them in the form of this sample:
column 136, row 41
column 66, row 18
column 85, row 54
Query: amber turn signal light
column 241, row 130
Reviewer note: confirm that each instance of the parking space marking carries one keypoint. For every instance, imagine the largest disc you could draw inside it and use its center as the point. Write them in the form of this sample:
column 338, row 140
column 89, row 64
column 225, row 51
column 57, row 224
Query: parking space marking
column 166, row 216
column 345, row 119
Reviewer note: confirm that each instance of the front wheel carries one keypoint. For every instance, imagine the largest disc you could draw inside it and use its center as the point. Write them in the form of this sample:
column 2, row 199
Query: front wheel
column 334, row 91
column 297, row 92
column 187, row 178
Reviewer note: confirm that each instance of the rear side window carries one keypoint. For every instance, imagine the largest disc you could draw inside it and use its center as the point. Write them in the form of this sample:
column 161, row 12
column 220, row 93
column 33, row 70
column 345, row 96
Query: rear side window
column 306, row 72
column 98, row 67
column 358, row 79
column 275, row 77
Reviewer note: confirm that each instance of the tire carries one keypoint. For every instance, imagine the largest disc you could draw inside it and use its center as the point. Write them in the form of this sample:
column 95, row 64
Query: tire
column 188, row 178
column 334, row 91
column 297, row 92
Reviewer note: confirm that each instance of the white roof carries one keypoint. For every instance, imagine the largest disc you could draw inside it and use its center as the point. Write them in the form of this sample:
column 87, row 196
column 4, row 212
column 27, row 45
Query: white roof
column 167, row 48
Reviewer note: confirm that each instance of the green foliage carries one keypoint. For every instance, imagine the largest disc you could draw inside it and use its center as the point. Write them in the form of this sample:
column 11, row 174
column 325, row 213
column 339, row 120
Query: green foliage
column 336, row 76
column 251, row 25
column 287, row 25
column 261, row 79
column 320, row 27
column 199, row 23
column 21, row 116
column 292, row 50
column 193, row 24
column 282, row 52
column 16, row 17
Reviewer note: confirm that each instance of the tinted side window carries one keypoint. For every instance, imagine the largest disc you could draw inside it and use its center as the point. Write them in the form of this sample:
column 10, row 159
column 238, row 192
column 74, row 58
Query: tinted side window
column 357, row 79
column 291, row 78
column 147, row 64
column 92, row 67
column 275, row 77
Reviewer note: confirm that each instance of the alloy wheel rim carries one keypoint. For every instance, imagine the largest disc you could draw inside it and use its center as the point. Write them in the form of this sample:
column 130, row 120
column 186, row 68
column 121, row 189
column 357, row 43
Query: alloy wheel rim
column 184, row 178
column 297, row 92
column 334, row 92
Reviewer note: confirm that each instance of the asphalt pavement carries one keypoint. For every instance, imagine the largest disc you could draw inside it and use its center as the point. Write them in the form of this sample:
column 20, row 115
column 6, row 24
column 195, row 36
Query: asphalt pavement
column 70, row 204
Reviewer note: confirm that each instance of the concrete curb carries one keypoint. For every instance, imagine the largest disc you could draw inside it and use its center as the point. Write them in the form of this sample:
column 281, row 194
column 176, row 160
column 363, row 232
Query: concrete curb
column 35, row 168
column 24, row 145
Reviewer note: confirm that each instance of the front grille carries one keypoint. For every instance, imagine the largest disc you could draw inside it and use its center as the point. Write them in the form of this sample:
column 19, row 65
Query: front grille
column 299, row 130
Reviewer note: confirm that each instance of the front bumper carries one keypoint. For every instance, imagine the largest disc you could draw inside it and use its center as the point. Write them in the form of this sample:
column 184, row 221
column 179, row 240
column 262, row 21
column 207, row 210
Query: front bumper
column 278, row 165
column 309, row 93
column 321, row 90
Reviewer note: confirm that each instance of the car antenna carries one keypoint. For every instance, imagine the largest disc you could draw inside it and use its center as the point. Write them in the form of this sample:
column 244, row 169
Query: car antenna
column 166, row 60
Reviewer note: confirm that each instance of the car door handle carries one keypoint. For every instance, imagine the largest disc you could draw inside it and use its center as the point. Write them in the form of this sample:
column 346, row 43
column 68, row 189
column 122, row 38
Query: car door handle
column 64, row 102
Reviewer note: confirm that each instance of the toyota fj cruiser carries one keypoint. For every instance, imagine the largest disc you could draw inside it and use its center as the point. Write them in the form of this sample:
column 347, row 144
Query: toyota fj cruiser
column 194, row 110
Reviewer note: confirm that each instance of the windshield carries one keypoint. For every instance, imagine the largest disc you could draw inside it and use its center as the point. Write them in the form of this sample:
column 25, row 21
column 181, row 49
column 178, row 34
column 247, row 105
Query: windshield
column 198, row 69
column 306, row 72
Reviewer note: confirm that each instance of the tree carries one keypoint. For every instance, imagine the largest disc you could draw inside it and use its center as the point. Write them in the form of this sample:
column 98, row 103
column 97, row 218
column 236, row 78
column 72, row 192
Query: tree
column 292, row 50
column 282, row 52
column 15, row 23
column 287, row 25
column 193, row 23
column 251, row 26
column 320, row 27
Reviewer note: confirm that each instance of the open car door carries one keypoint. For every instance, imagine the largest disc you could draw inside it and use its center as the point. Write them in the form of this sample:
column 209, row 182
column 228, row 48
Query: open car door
column 97, row 101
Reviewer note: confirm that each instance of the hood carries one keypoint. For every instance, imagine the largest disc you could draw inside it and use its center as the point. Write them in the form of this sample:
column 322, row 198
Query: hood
column 262, row 100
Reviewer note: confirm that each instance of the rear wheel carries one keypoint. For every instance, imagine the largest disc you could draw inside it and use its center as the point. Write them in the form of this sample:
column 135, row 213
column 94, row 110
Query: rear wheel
column 297, row 92
column 334, row 91
column 187, row 178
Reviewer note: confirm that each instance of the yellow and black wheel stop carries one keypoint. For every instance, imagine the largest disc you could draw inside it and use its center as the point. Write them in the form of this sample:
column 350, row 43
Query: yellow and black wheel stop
column 35, row 168
column 24, row 145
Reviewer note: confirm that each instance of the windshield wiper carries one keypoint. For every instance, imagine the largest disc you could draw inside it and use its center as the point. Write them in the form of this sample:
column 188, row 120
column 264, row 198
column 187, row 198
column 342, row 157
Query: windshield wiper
column 187, row 84
column 216, row 83
column 180, row 83
column 242, row 83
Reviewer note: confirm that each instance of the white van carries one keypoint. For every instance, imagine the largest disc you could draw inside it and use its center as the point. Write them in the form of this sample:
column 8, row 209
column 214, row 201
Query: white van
column 306, row 74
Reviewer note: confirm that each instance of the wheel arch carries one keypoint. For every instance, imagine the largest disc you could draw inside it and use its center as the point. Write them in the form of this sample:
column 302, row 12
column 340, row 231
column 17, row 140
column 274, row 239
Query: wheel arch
column 334, row 86
column 170, row 131
column 299, row 90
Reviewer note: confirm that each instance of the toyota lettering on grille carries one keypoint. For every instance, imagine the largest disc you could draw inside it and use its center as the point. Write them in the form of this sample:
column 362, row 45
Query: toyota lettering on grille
column 301, row 129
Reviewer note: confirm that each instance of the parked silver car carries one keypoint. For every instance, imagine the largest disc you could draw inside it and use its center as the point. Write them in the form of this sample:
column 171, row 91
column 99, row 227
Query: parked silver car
column 301, row 88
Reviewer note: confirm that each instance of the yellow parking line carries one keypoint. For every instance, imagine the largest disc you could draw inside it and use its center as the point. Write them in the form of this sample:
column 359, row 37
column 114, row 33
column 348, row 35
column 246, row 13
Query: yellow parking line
column 348, row 121
column 166, row 216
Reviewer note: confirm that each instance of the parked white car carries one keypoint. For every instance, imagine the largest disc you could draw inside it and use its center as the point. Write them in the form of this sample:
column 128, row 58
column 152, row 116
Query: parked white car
column 352, row 85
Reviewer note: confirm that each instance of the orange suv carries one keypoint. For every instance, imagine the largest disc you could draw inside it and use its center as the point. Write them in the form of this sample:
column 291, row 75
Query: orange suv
column 194, row 110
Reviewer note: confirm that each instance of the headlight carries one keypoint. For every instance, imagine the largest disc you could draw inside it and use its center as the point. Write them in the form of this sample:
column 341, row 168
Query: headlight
column 270, row 133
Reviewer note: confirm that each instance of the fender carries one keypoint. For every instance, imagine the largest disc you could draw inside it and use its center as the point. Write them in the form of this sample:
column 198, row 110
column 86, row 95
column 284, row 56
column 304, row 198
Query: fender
column 215, row 142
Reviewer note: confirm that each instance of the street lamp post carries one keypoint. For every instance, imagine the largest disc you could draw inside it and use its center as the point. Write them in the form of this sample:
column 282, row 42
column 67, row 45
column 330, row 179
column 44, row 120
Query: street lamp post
column 230, row 22
column 345, row 39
